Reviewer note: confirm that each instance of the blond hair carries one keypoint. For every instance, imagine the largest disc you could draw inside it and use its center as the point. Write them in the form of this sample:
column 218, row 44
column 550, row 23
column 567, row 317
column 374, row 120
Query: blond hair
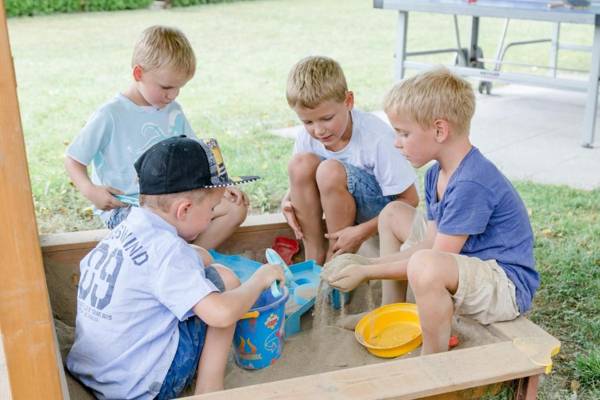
column 162, row 46
column 435, row 94
column 314, row 80
column 163, row 202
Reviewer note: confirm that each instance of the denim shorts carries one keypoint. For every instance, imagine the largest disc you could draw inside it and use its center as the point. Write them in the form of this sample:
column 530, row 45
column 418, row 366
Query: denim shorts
column 192, row 333
column 366, row 192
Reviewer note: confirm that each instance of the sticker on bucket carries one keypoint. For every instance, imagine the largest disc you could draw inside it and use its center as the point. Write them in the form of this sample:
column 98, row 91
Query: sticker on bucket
column 258, row 338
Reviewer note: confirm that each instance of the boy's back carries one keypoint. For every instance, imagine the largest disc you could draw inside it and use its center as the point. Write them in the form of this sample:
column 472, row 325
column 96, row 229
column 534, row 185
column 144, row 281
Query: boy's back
column 480, row 202
column 127, row 332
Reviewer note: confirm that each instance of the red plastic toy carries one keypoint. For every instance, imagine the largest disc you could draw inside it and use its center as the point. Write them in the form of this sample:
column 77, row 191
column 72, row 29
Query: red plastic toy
column 286, row 248
column 453, row 342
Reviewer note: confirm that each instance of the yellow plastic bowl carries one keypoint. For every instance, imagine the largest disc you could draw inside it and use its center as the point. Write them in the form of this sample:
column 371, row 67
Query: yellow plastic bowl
column 390, row 331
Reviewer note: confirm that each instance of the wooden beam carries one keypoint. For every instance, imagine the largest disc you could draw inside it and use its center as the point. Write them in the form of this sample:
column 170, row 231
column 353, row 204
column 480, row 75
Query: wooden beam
column 25, row 315
column 412, row 378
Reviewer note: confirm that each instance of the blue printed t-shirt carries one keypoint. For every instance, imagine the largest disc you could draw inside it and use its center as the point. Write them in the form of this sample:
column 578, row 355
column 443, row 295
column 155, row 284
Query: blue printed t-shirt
column 480, row 202
column 118, row 133
column 135, row 287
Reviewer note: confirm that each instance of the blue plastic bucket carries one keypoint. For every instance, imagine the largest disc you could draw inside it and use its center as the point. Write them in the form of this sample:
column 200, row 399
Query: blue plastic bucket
column 258, row 337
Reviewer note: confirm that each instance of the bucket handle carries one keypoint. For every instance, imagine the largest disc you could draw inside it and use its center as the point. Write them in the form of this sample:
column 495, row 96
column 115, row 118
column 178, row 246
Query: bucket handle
column 250, row 314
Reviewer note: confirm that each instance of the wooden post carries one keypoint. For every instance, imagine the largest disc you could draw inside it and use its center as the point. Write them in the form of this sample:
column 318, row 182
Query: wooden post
column 26, row 323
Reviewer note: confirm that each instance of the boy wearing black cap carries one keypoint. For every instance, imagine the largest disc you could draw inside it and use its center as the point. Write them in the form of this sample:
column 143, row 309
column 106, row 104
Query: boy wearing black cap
column 149, row 313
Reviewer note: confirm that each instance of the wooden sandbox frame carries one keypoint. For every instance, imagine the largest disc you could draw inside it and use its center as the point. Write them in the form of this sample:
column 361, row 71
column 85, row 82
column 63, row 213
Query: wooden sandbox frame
column 32, row 274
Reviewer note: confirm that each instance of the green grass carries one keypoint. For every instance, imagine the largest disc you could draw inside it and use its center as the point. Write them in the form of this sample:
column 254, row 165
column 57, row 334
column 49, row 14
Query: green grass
column 67, row 65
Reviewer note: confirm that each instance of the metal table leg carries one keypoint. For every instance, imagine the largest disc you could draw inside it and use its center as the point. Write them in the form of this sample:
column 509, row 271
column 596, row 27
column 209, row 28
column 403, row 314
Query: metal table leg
column 401, row 45
column 474, row 41
column 591, row 105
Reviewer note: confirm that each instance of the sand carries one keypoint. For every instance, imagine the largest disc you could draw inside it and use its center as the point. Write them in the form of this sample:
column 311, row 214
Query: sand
column 330, row 348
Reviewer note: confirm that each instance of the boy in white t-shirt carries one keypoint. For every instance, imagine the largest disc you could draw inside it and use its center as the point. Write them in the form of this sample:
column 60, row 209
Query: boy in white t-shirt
column 344, row 164
column 149, row 312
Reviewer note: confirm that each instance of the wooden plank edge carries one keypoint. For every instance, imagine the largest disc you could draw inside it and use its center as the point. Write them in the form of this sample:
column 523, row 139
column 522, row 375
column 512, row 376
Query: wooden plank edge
column 411, row 378
column 85, row 239
column 530, row 338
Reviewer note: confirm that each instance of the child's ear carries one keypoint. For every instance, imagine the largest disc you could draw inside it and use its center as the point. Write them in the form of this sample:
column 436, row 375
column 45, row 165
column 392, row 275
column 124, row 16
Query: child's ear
column 349, row 100
column 442, row 130
column 182, row 208
column 137, row 72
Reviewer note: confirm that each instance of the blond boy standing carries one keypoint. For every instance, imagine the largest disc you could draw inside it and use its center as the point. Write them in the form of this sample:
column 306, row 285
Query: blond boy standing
column 344, row 164
column 144, row 114
column 473, row 255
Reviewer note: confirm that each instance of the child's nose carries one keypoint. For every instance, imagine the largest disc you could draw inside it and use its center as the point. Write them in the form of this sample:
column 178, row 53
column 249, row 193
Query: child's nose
column 398, row 143
column 319, row 129
column 172, row 94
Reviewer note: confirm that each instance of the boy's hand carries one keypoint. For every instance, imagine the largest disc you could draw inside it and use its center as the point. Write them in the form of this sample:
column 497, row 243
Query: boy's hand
column 268, row 273
column 102, row 197
column 348, row 278
column 236, row 196
column 290, row 216
column 346, row 240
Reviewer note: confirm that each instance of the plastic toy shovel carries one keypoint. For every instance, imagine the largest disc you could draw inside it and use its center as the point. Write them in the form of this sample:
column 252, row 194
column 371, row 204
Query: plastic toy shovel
column 274, row 258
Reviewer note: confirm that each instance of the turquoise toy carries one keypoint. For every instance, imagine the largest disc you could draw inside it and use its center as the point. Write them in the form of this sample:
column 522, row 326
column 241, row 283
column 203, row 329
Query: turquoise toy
column 301, row 288
column 132, row 200
column 259, row 335
column 337, row 298
column 274, row 258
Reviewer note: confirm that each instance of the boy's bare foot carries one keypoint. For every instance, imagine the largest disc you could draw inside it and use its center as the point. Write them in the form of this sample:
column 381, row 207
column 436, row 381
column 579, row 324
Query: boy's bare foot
column 349, row 321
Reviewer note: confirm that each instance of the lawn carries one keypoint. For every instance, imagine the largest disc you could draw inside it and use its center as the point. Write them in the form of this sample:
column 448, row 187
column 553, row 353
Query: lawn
column 67, row 65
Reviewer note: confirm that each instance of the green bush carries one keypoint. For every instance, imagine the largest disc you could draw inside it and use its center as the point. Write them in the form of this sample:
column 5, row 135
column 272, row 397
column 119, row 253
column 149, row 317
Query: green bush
column 185, row 3
column 16, row 8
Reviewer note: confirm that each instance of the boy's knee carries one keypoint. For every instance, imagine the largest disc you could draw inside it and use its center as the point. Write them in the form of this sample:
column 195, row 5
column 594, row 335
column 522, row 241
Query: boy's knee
column 396, row 213
column 303, row 166
column 331, row 174
column 237, row 213
column 421, row 270
column 229, row 278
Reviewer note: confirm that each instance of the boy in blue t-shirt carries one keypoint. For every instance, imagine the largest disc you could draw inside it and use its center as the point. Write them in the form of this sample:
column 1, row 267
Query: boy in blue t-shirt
column 149, row 312
column 126, row 126
column 474, row 254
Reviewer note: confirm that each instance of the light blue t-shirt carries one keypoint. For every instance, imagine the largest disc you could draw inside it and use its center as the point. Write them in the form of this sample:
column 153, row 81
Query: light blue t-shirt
column 135, row 287
column 480, row 202
column 118, row 133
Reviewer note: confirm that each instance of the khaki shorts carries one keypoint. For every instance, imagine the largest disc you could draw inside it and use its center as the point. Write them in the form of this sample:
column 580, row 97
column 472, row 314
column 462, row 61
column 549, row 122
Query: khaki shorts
column 484, row 292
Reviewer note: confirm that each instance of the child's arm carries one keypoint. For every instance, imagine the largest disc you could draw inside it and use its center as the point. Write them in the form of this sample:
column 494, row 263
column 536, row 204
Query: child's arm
column 410, row 196
column 224, row 309
column 290, row 216
column 387, row 267
column 100, row 196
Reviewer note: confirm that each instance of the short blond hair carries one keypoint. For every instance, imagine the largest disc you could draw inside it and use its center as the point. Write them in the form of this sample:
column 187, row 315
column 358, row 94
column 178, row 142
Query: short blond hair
column 314, row 80
column 435, row 94
column 163, row 202
column 163, row 46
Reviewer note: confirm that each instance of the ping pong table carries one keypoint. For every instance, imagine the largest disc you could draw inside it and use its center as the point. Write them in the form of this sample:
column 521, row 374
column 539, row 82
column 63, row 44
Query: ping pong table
column 535, row 10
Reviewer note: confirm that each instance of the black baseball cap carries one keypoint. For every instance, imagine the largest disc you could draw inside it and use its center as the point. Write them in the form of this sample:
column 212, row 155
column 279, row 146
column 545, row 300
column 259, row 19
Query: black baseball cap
column 179, row 164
